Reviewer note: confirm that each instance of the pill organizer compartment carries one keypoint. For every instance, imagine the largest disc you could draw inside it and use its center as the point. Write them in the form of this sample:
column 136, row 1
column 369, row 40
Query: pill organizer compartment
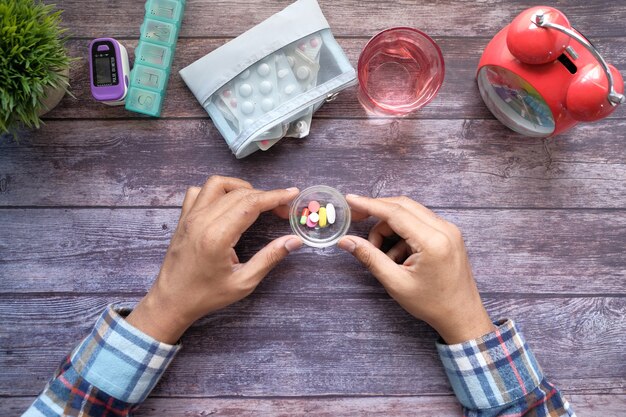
column 154, row 55
column 313, row 230
column 159, row 32
column 268, row 82
column 170, row 11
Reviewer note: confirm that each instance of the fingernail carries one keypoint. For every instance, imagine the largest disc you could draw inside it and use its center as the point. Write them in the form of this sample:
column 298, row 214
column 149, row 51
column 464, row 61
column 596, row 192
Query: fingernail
column 292, row 189
column 293, row 244
column 347, row 245
column 352, row 196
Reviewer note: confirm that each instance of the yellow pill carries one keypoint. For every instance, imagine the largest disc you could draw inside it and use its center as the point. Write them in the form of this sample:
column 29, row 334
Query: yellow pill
column 322, row 220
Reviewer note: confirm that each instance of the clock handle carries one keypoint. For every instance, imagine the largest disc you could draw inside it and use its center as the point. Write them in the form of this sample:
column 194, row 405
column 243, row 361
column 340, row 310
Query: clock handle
column 614, row 98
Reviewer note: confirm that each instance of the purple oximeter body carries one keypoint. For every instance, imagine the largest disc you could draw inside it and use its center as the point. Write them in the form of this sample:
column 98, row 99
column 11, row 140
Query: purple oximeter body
column 109, row 70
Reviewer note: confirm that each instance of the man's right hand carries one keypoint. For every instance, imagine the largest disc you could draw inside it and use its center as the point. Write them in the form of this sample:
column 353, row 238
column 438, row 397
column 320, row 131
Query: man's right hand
column 427, row 271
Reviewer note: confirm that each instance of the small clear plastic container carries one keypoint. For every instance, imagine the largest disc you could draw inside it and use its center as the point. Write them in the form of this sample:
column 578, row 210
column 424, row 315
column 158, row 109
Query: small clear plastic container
column 320, row 234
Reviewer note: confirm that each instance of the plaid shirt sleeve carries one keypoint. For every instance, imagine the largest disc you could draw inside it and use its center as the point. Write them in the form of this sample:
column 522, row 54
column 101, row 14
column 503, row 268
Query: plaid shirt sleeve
column 108, row 374
column 498, row 375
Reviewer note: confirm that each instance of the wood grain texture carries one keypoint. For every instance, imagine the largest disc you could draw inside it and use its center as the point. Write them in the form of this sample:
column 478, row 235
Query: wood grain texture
column 89, row 202
column 445, row 163
column 431, row 406
column 120, row 250
column 458, row 97
column 205, row 18
column 323, row 344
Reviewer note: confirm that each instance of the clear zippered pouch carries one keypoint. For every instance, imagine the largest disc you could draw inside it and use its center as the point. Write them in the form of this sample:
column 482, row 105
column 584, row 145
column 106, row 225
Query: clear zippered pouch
column 266, row 84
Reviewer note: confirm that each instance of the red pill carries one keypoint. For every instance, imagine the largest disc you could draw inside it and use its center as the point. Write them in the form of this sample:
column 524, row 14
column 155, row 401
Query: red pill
column 314, row 206
column 304, row 216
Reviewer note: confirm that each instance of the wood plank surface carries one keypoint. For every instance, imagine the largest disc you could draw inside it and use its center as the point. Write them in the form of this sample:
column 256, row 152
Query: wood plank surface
column 89, row 202
column 324, row 344
column 120, row 251
column 204, row 18
column 431, row 406
column 444, row 163
column 458, row 97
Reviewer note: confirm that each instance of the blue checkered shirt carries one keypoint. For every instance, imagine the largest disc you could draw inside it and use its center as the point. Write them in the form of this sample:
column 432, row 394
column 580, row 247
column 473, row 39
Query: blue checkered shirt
column 116, row 366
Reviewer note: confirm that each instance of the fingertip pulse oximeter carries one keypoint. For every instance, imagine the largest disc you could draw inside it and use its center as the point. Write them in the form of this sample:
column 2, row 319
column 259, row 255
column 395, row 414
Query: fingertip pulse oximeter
column 109, row 71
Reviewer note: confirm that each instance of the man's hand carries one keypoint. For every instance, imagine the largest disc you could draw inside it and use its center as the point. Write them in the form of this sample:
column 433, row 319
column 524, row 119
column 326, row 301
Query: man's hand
column 201, row 272
column 427, row 271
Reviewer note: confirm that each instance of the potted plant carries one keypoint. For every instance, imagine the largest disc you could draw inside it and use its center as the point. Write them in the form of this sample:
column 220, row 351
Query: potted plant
column 34, row 65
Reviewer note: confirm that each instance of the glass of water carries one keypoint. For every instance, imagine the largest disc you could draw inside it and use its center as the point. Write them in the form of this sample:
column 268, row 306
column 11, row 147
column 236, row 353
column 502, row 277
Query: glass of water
column 400, row 70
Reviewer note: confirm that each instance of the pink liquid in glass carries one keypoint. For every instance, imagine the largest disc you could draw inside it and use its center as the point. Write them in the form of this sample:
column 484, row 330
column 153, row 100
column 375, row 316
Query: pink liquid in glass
column 400, row 70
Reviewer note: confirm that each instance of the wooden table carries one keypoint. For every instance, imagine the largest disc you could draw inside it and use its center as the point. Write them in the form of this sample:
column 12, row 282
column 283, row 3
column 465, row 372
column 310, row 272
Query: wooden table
column 89, row 203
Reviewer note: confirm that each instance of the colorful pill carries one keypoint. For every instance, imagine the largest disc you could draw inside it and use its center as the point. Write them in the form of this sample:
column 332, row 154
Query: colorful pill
column 305, row 216
column 323, row 217
column 310, row 223
column 330, row 213
column 314, row 206
column 314, row 217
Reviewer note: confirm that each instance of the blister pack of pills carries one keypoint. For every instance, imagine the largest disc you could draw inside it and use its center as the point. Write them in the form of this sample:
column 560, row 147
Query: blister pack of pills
column 266, row 84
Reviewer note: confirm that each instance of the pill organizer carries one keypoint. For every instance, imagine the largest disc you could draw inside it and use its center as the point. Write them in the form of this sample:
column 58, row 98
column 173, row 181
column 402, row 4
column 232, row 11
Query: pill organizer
column 320, row 216
column 301, row 67
column 154, row 55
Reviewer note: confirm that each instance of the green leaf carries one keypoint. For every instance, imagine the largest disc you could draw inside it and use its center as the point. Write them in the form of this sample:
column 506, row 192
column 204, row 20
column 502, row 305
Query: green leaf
column 32, row 53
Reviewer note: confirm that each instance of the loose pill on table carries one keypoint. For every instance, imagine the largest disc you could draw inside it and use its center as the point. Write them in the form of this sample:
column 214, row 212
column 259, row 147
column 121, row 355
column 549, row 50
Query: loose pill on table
column 323, row 218
column 314, row 206
column 314, row 217
column 304, row 216
column 330, row 213
column 310, row 223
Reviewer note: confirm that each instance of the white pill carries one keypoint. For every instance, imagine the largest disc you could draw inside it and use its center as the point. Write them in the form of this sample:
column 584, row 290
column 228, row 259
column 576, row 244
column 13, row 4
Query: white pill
column 290, row 89
column 301, row 126
column 283, row 73
column 245, row 75
column 291, row 61
column 302, row 73
column 330, row 213
column 265, row 87
column 263, row 70
column 267, row 104
column 245, row 90
column 247, row 107
column 314, row 217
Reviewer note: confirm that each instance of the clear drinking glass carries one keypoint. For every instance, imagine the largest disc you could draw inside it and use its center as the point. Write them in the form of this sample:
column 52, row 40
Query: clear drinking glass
column 400, row 70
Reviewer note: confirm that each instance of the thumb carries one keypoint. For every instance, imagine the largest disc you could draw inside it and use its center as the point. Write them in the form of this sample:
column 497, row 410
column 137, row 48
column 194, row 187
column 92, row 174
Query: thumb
column 370, row 256
column 267, row 258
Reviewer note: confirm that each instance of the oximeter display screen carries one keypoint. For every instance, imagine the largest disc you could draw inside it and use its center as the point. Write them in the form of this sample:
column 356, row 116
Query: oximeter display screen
column 103, row 71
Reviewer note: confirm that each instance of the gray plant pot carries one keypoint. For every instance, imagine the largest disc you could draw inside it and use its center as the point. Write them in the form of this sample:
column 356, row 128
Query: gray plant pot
column 53, row 95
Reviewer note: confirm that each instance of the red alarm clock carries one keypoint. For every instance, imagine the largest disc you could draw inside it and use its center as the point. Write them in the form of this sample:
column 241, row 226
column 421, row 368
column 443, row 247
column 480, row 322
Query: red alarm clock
column 540, row 77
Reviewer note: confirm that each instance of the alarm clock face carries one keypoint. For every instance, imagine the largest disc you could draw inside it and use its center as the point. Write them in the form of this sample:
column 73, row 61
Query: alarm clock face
column 515, row 102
